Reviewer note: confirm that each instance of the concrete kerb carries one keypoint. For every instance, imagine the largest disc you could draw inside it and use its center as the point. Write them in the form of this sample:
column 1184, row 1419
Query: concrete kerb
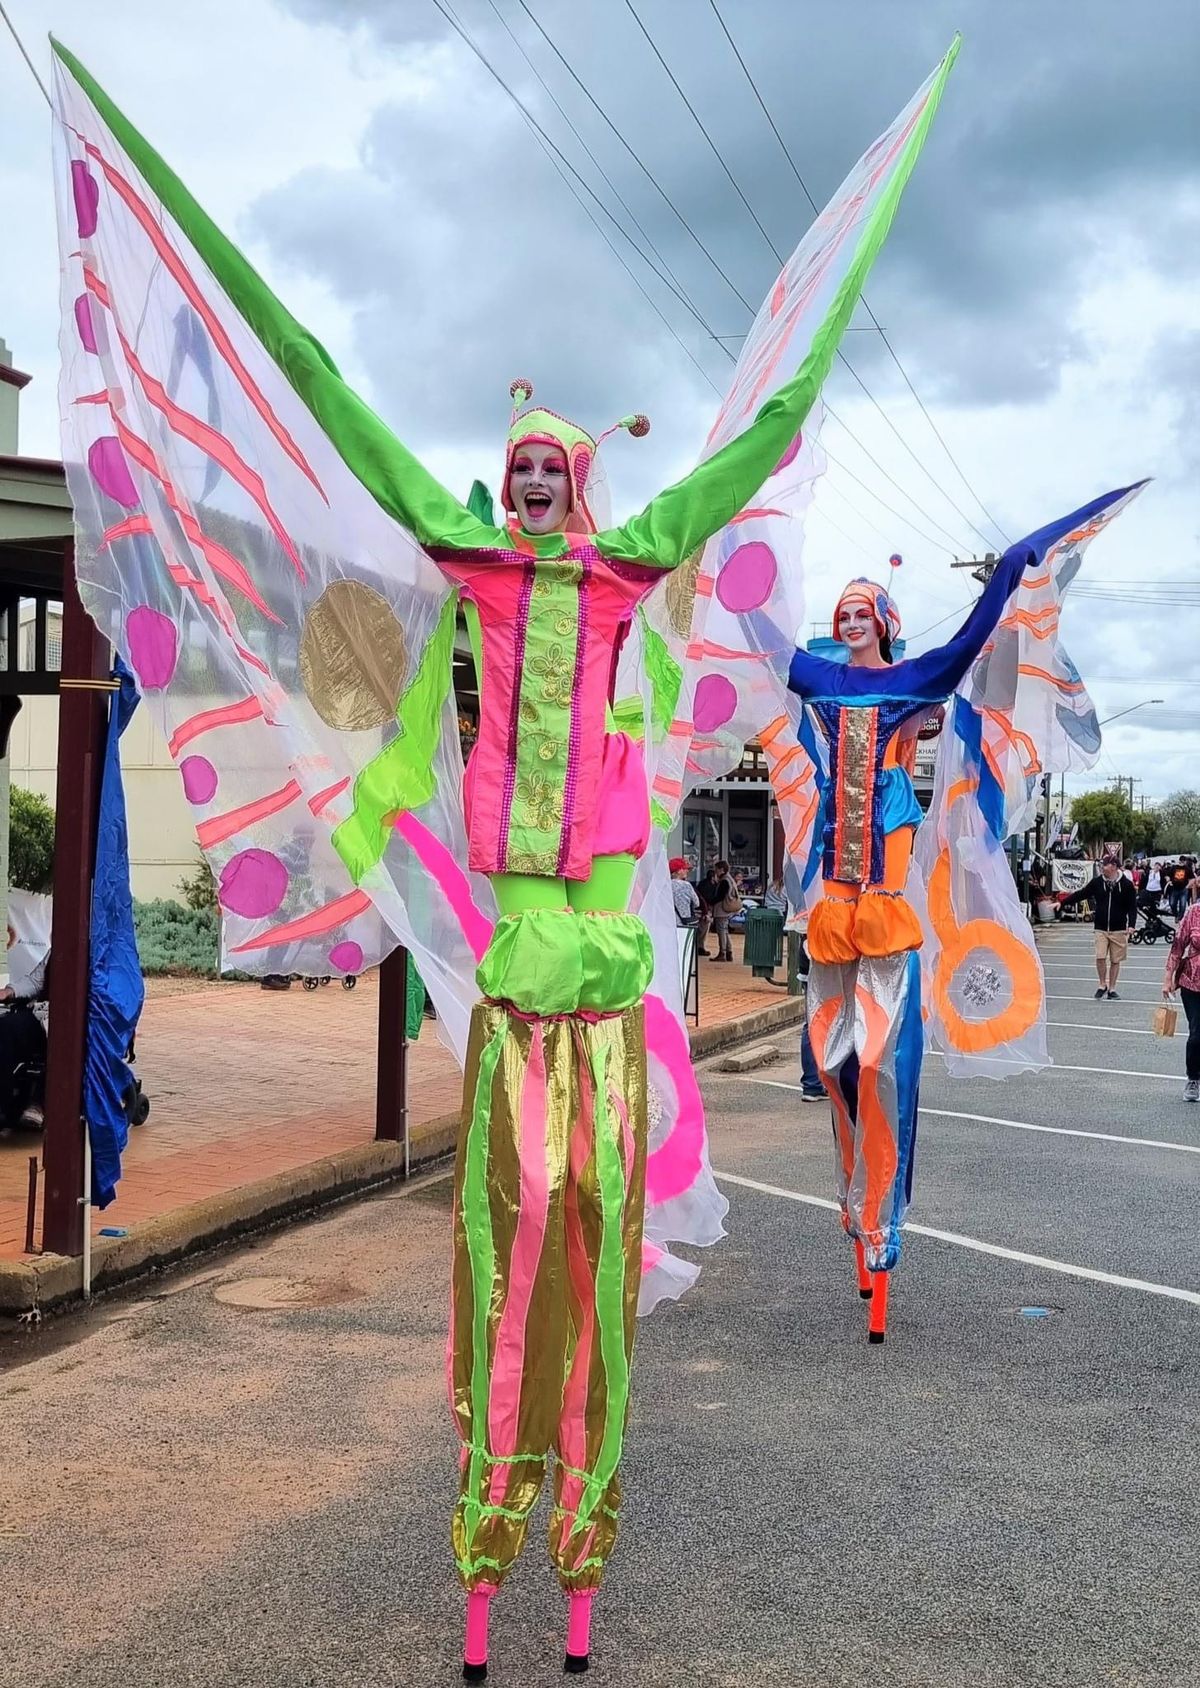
column 52, row 1281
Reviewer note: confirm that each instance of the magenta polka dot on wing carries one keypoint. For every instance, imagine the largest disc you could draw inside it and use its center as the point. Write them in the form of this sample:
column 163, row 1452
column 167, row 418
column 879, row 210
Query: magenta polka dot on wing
column 110, row 471
column 748, row 578
column 253, row 883
column 86, row 323
column 714, row 703
column 86, row 190
column 790, row 455
column 346, row 957
column 153, row 641
column 199, row 779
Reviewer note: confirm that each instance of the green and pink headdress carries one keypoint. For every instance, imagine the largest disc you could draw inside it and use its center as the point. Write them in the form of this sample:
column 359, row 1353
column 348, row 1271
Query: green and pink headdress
column 545, row 427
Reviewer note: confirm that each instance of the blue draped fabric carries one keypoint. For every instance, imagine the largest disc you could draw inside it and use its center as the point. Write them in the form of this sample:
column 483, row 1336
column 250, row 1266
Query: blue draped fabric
column 115, row 987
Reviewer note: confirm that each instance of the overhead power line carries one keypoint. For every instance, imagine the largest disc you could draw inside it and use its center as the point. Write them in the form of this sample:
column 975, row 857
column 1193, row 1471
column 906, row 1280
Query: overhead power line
column 779, row 258
column 635, row 156
column 895, row 357
column 730, row 283
column 570, row 177
column 466, row 36
column 596, row 164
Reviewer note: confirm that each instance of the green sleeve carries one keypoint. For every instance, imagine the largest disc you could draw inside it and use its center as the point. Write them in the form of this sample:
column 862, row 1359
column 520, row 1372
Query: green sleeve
column 388, row 470
column 680, row 520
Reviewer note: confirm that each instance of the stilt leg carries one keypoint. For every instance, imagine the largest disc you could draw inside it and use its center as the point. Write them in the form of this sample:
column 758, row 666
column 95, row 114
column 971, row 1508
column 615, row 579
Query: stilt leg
column 475, row 1651
column 860, row 1266
column 579, row 1624
column 877, row 1327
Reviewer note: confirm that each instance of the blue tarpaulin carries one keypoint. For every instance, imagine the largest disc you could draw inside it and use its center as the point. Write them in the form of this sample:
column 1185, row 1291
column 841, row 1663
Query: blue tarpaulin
column 115, row 987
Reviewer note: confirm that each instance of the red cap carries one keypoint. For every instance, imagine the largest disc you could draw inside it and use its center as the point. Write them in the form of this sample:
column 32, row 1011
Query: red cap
column 678, row 863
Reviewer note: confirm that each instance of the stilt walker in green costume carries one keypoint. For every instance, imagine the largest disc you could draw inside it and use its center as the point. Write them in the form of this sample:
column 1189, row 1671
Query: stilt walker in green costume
column 282, row 575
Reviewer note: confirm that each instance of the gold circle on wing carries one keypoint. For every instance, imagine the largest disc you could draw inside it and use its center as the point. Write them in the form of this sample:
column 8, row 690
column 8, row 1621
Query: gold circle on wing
column 353, row 657
column 681, row 593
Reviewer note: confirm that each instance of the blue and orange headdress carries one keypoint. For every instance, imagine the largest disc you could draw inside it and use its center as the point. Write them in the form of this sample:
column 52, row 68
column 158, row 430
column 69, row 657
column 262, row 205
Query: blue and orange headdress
column 546, row 427
column 877, row 599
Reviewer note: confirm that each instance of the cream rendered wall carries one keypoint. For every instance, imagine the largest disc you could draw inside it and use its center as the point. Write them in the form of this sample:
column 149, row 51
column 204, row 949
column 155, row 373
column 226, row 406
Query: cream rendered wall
column 162, row 837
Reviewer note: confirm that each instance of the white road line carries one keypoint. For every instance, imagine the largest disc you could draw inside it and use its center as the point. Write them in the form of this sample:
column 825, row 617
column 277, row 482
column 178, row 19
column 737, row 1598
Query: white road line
column 1141, row 1001
column 1067, row 1131
column 1123, row 1031
column 1025, row 1125
column 994, row 1249
column 1090, row 973
column 1065, row 1067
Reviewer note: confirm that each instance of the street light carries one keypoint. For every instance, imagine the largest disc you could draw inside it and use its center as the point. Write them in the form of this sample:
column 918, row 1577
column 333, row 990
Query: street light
column 1144, row 703
column 1062, row 789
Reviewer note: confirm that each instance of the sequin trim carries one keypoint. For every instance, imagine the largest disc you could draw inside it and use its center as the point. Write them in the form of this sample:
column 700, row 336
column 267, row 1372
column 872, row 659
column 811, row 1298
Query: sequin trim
column 510, row 761
column 571, row 785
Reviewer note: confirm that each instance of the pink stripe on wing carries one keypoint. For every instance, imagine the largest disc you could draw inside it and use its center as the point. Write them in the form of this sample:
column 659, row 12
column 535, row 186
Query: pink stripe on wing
column 221, row 561
column 675, row 1165
column 437, row 861
column 178, row 269
column 310, row 925
column 230, row 715
column 508, row 1364
column 221, row 827
column 216, row 446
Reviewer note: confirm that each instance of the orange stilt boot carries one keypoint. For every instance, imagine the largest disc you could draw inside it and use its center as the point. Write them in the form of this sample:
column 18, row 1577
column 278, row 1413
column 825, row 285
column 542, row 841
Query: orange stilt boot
column 860, row 1266
column 877, row 1328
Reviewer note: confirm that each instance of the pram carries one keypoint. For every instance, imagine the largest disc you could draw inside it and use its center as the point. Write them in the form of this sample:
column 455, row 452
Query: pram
column 1155, row 926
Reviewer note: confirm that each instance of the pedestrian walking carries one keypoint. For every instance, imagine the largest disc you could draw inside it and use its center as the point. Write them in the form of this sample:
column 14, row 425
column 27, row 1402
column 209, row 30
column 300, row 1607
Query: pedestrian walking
column 726, row 904
column 1183, row 975
column 708, row 891
column 687, row 903
column 1153, row 886
column 1114, row 915
column 1177, row 888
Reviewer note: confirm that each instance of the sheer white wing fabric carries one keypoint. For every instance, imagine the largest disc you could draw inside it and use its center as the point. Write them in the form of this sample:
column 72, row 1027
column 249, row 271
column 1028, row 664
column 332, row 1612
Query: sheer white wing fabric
column 727, row 618
column 1022, row 712
column 270, row 610
column 273, row 615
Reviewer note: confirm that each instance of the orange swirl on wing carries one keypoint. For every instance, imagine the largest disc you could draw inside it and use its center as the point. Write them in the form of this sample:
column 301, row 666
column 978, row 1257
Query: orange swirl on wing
column 973, row 1037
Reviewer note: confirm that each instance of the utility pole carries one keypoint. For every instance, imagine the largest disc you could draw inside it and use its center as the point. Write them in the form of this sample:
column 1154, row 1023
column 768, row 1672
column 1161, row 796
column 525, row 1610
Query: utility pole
column 982, row 568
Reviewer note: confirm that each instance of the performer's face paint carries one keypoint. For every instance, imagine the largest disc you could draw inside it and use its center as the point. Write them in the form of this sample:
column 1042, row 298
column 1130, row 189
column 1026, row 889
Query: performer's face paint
column 540, row 488
column 859, row 632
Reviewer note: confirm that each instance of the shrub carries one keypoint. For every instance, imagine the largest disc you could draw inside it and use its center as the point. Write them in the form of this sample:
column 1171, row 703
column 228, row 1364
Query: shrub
column 174, row 940
column 199, row 888
column 30, row 840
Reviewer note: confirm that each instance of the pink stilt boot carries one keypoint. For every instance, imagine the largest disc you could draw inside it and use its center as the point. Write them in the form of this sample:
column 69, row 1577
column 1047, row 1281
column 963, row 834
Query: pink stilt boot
column 579, row 1624
column 475, row 1650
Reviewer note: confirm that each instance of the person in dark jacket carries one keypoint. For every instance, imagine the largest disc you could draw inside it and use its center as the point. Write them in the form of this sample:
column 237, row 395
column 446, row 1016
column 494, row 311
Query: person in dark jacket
column 1114, row 915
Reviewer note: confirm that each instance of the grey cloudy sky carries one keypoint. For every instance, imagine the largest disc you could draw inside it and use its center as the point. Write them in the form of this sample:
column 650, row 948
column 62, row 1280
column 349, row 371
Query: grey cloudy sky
column 1039, row 282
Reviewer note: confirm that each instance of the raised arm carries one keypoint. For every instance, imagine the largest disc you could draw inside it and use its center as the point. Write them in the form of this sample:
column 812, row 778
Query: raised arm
column 388, row 470
column 680, row 519
column 936, row 673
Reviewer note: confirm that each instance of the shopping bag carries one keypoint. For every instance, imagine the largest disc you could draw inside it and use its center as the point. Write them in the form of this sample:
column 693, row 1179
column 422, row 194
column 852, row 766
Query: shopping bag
column 1166, row 1019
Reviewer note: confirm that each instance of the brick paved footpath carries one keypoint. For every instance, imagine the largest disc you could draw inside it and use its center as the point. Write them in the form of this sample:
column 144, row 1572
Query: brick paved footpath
column 245, row 1083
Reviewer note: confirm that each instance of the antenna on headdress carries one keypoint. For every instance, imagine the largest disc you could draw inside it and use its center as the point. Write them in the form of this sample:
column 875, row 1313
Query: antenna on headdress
column 520, row 392
column 637, row 424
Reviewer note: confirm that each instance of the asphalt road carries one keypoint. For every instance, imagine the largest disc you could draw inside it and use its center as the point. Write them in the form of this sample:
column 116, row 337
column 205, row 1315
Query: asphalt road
column 198, row 1492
